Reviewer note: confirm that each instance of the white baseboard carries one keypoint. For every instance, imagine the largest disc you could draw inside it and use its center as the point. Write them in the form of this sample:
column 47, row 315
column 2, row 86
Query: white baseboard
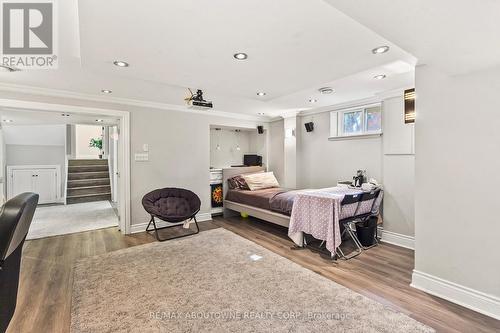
column 397, row 239
column 141, row 227
column 470, row 298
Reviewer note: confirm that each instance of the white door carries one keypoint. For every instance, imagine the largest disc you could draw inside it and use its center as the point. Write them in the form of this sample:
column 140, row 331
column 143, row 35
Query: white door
column 22, row 181
column 46, row 185
column 114, row 186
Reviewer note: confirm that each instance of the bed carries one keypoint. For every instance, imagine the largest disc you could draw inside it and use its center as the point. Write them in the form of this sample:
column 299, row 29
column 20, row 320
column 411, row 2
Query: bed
column 254, row 203
column 318, row 212
column 276, row 201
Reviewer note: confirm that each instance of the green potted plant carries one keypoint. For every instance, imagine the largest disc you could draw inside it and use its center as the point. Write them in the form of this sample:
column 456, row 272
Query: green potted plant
column 97, row 143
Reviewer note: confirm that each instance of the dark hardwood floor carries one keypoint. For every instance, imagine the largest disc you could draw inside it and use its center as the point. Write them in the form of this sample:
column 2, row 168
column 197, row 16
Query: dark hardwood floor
column 382, row 273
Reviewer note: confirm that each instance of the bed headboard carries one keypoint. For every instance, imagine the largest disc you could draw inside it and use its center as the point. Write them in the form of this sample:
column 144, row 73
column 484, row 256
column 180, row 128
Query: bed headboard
column 234, row 171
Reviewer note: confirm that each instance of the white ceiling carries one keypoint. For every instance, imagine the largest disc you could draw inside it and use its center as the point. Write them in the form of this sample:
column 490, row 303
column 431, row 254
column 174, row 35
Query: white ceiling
column 291, row 44
column 350, row 88
column 294, row 48
column 457, row 36
column 22, row 117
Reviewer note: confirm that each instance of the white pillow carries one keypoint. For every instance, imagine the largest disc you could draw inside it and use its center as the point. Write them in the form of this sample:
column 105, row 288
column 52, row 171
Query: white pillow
column 259, row 181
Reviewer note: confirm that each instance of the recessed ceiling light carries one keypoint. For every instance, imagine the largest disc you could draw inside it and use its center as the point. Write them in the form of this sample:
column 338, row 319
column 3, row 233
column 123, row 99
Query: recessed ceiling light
column 312, row 100
column 106, row 91
column 120, row 63
column 7, row 120
column 326, row 90
column 380, row 77
column 65, row 114
column 240, row 56
column 261, row 93
column 380, row 49
column 99, row 120
column 261, row 113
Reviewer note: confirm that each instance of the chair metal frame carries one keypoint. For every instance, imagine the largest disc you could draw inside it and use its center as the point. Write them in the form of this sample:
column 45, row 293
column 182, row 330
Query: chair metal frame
column 155, row 228
column 349, row 224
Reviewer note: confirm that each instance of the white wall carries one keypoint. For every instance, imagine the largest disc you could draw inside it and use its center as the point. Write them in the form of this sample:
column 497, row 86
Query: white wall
column 249, row 141
column 113, row 141
column 36, row 145
column 323, row 162
column 398, row 168
column 44, row 135
column 276, row 150
column 458, row 180
column 35, row 155
column 291, row 147
column 178, row 157
column 83, row 134
column 228, row 140
column 258, row 144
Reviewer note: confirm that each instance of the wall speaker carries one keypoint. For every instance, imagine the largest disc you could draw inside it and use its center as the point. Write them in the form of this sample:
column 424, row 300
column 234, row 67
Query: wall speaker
column 309, row 126
column 260, row 129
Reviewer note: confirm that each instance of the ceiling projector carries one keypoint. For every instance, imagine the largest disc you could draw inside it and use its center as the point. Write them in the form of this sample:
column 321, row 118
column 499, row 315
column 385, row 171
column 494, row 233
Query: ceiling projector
column 196, row 101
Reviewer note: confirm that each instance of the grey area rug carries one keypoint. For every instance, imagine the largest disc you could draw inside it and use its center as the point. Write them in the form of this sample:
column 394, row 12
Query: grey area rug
column 67, row 219
column 217, row 281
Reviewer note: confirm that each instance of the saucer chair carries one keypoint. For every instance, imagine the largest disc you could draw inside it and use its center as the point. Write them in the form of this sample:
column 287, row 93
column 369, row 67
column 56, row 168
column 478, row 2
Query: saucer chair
column 172, row 205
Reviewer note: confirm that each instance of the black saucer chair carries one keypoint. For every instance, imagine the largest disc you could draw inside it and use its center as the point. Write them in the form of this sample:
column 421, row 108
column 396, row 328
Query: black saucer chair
column 15, row 220
column 172, row 205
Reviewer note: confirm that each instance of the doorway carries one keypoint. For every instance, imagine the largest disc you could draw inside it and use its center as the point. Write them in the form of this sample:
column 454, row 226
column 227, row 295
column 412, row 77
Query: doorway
column 70, row 211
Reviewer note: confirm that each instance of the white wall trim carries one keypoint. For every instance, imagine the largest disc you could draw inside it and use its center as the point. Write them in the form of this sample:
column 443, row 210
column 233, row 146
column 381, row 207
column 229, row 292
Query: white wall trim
column 141, row 227
column 125, row 101
column 397, row 239
column 393, row 93
column 470, row 298
column 365, row 102
column 355, row 137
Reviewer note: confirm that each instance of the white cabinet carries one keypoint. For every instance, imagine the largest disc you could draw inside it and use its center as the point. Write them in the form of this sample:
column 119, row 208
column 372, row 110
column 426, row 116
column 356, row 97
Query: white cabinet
column 41, row 179
column 22, row 181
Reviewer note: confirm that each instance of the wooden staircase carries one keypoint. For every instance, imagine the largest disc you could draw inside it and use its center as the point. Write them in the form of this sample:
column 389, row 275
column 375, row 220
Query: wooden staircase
column 88, row 180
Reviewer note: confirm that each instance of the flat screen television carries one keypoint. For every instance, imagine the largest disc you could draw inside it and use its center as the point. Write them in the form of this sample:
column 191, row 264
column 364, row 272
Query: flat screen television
column 252, row 160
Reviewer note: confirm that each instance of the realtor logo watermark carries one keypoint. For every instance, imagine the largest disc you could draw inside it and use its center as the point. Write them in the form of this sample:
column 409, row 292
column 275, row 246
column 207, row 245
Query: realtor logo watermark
column 29, row 39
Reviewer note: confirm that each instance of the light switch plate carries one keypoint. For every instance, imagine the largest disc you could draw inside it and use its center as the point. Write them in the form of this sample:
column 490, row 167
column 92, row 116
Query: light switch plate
column 141, row 157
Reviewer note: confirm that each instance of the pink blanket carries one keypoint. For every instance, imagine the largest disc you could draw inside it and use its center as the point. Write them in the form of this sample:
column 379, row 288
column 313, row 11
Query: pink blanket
column 317, row 213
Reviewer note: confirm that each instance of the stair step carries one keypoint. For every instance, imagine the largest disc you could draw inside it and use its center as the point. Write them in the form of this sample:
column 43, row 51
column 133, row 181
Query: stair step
column 88, row 198
column 88, row 162
column 88, row 182
column 89, row 190
column 87, row 168
column 87, row 175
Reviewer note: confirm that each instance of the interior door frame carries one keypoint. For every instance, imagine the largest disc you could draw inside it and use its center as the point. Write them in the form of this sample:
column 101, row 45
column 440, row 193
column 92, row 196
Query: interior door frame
column 123, row 145
column 114, row 188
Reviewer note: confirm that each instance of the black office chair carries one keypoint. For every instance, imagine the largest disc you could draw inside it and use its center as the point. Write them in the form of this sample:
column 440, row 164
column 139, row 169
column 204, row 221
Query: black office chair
column 363, row 213
column 366, row 204
column 348, row 210
column 172, row 205
column 15, row 220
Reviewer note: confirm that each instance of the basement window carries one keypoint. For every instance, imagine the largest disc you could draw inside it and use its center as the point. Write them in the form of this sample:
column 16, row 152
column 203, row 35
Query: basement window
column 356, row 122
